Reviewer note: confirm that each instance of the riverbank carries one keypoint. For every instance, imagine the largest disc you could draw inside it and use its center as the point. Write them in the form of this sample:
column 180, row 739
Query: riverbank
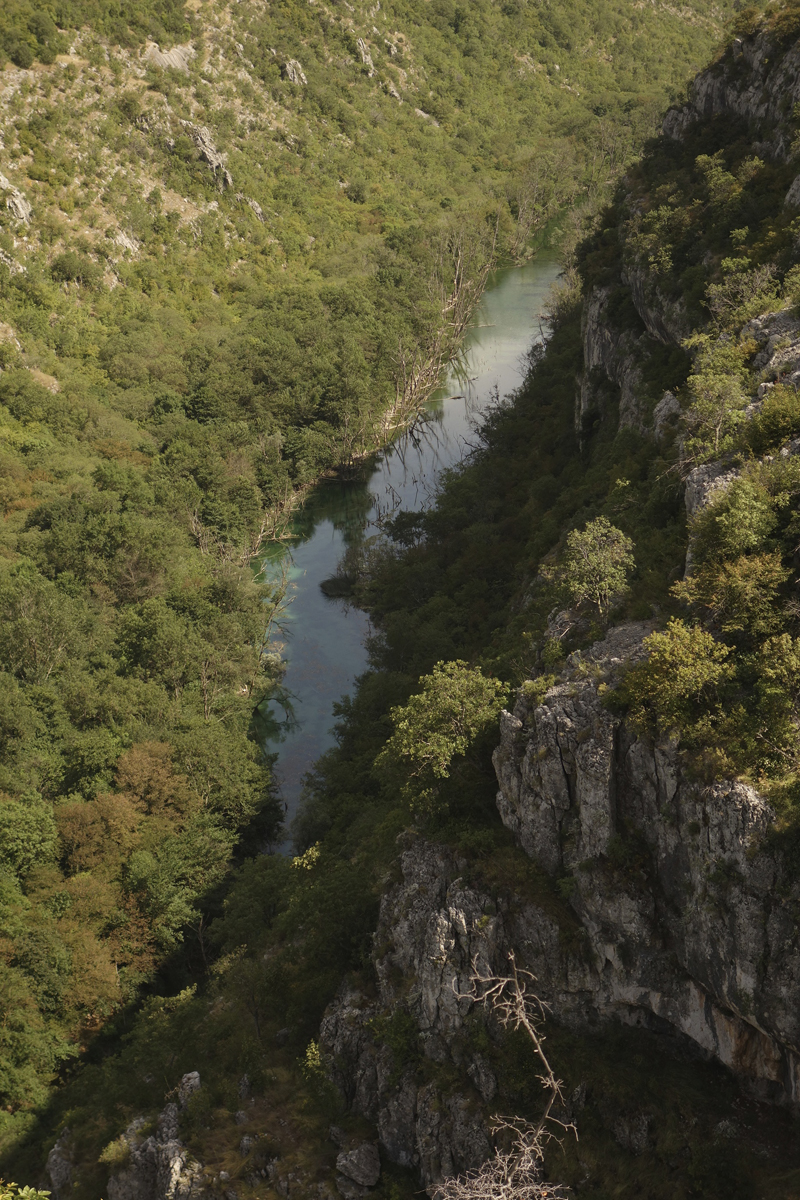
column 324, row 643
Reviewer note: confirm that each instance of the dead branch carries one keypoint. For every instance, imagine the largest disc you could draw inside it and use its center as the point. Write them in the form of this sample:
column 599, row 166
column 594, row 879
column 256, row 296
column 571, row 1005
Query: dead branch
column 514, row 1173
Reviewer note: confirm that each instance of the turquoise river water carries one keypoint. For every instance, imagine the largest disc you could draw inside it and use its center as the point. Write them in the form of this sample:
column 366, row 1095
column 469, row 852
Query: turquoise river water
column 322, row 639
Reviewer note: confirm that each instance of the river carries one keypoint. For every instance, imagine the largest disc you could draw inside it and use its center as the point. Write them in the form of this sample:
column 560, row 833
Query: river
column 322, row 639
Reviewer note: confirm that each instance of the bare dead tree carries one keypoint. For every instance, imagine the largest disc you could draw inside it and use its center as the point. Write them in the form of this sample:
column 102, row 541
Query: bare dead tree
column 465, row 256
column 515, row 1172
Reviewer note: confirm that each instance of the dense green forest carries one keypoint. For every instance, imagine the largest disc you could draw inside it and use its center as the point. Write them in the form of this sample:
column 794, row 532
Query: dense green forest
column 239, row 268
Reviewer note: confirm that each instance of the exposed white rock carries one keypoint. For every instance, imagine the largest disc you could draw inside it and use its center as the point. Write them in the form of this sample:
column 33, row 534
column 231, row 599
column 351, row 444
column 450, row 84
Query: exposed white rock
column 428, row 935
column 178, row 57
column 762, row 92
column 666, row 414
column 59, row 1167
column 7, row 334
column 292, row 71
column 160, row 1167
column 365, row 56
column 14, row 267
column 778, row 335
column 126, row 242
column 201, row 136
column 615, row 354
column 665, row 320
column 16, row 202
column 703, row 482
column 725, row 975
column 189, row 1084
column 792, row 198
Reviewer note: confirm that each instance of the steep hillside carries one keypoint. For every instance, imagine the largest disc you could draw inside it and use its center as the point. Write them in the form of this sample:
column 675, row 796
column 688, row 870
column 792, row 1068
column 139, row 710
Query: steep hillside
column 243, row 286
column 236, row 243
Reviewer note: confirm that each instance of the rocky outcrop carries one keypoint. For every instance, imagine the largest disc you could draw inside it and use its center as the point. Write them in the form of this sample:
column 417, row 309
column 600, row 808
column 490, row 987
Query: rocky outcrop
column 430, row 930
column 59, row 1167
column 619, row 352
column 293, row 72
column 665, row 320
column 680, row 919
column 362, row 1165
column 159, row 1166
column 614, row 352
column 365, row 56
column 179, row 57
column 208, row 151
column 755, row 80
column 778, row 338
column 686, row 911
column 16, row 202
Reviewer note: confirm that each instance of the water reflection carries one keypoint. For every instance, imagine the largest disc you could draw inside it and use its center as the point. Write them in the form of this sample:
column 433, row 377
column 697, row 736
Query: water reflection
column 321, row 636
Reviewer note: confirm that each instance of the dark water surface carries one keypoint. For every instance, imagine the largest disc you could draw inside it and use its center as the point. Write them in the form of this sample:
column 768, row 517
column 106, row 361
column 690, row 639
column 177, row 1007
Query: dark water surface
column 322, row 639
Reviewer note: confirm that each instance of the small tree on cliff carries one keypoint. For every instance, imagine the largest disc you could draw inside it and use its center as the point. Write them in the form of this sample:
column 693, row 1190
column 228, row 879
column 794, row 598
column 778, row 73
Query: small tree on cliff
column 596, row 564
column 441, row 722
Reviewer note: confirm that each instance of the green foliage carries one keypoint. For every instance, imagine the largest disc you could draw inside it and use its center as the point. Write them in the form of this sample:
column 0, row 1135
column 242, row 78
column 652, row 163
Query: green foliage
column 596, row 563
column 13, row 1191
column 456, row 705
column 30, row 31
column 717, row 399
column 535, row 690
column 680, row 679
column 190, row 355
column 737, row 596
column 777, row 422
column 27, row 834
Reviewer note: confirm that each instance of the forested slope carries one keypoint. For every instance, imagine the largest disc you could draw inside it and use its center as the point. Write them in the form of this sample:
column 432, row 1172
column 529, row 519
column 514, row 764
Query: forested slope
column 643, row 859
column 230, row 243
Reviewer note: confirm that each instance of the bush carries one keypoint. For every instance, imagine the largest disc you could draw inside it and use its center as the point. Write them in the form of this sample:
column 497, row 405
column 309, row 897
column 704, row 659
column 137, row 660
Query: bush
column 678, row 681
column 73, row 267
column 777, row 422
column 438, row 724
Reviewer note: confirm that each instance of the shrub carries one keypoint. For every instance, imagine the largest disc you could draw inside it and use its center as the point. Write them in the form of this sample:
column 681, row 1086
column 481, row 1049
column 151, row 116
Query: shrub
column 72, row 267
column 679, row 680
column 777, row 422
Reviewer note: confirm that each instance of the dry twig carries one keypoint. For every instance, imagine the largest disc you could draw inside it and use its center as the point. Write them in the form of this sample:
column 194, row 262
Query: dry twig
column 514, row 1173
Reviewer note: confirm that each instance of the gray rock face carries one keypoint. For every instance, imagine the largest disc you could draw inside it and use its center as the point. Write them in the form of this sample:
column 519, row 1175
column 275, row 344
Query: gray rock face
column 431, row 927
column 16, row 202
column 59, row 1167
column 615, row 354
column 704, row 482
column 160, row 1167
column 362, row 1165
column 179, row 57
column 666, row 414
column 208, row 151
column 665, row 320
column 292, row 71
column 778, row 335
column 365, row 56
column 755, row 80
column 696, row 930
column 618, row 353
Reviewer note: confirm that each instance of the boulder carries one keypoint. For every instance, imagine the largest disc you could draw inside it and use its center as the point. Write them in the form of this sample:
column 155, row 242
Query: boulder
column 362, row 1165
